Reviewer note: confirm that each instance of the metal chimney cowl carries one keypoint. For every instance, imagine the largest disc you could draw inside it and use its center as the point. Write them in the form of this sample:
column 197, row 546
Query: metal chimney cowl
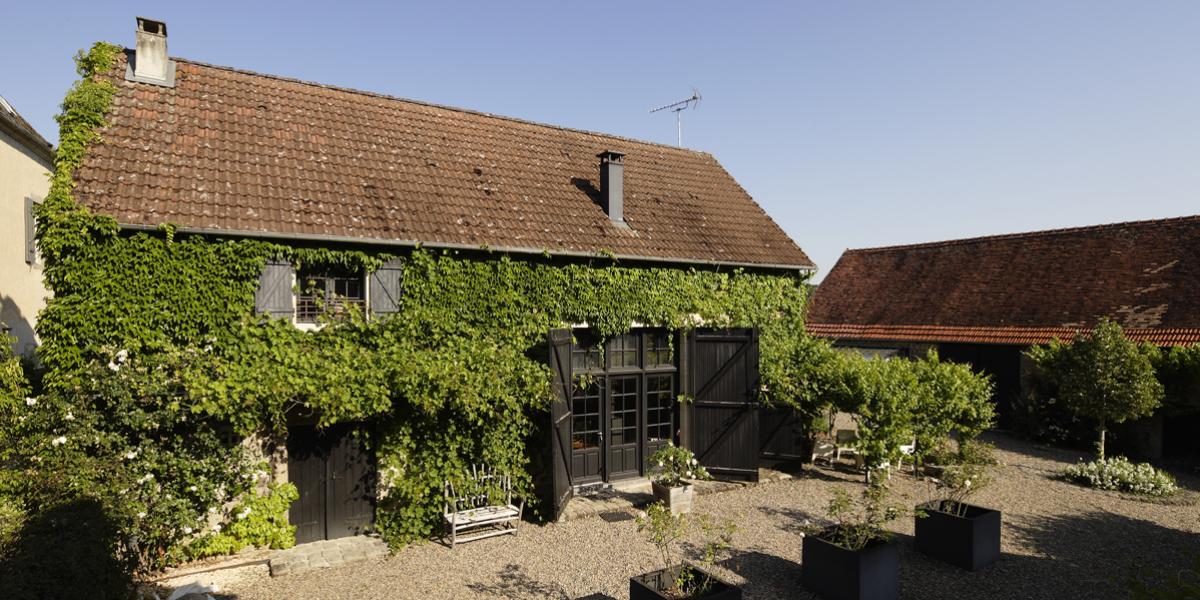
column 612, row 185
column 149, row 63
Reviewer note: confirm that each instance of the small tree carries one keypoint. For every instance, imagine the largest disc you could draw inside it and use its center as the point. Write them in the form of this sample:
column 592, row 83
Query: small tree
column 881, row 394
column 952, row 398
column 1102, row 376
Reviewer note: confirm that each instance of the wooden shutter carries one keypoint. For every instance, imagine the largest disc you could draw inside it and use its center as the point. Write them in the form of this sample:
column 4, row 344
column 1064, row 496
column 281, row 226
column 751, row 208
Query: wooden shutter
column 384, row 288
column 30, row 232
column 560, row 419
column 274, row 295
column 723, row 414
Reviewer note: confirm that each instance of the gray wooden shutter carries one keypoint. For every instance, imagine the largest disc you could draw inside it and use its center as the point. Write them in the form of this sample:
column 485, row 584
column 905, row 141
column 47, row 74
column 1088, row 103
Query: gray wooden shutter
column 30, row 232
column 274, row 295
column 384, row 288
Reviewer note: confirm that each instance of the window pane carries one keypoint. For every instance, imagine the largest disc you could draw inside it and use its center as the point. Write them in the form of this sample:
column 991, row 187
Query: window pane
column 660, row 392
column 658, row 349
column 328, row 291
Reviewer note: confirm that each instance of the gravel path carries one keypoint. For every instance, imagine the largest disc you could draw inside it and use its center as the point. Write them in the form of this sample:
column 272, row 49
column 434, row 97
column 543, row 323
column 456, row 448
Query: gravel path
column 1059, row 541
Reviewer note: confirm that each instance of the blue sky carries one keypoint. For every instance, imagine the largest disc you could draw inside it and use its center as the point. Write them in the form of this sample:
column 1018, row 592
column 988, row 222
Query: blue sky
column 854, row 124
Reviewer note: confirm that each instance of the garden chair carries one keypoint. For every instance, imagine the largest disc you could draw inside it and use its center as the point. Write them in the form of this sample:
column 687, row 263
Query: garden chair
column 907, row 452
column 846, row 441
column 484, row 510
column 823, row 450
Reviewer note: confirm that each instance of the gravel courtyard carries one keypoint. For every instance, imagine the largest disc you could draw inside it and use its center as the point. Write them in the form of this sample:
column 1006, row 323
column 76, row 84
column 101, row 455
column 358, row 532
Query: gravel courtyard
column 1059, row 541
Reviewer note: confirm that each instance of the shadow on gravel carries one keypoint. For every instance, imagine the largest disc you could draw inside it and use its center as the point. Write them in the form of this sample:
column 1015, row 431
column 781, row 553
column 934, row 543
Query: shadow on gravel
column 790, row 519
column 515, row 583
column 1091, row 555
column 767, row 575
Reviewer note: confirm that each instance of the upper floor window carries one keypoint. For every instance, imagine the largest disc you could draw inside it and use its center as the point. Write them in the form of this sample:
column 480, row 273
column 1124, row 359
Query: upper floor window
column 325, row 292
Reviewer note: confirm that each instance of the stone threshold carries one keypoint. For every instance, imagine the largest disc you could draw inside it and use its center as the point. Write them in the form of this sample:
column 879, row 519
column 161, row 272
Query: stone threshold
column 327, row 553
column 636, row 493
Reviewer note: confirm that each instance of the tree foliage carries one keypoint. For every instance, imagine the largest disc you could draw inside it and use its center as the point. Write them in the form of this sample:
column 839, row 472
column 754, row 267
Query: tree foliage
column 1102, row 376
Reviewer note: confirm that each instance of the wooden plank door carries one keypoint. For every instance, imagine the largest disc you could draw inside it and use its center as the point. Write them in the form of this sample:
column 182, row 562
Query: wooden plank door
column 350, row 482
column 724, row 410
column 561, row 453
column 306, row 470
column 781, row 434
column 335, row 475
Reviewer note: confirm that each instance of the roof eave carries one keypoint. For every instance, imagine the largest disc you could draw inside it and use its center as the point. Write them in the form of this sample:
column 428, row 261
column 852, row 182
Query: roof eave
column 31, row 140
column 341, row 239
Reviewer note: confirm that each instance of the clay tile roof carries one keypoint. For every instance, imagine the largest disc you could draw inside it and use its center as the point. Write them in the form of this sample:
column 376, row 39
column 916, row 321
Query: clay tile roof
column 232, row 151
column 1021, row 288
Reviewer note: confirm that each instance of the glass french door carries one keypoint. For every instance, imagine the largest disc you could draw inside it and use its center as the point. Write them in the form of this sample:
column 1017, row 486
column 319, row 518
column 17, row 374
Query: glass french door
column 623, row 404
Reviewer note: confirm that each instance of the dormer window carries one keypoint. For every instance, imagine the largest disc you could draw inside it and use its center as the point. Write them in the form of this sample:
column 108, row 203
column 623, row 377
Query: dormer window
column 328, row 292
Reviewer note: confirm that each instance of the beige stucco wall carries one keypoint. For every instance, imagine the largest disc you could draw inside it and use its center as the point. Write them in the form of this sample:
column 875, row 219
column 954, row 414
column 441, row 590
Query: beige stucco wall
column 22, row 294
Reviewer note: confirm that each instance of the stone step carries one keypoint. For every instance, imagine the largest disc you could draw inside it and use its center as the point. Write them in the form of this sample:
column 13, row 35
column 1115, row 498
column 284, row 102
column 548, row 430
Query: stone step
column 327, row 553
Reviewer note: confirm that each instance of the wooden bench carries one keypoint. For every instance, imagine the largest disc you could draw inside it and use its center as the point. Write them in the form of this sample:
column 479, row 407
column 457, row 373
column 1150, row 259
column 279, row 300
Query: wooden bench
column 484, row 510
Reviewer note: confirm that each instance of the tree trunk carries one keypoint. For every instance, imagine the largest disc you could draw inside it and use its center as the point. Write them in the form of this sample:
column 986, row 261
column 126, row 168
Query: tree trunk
column 1100, row 443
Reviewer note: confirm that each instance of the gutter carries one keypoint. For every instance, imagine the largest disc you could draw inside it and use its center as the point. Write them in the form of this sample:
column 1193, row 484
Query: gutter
column 346, row 239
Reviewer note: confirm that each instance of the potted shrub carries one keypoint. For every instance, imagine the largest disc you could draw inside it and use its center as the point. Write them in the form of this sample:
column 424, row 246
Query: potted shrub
column 953, row 531
column 679, row 579
column 854, row 559
column 671, row 469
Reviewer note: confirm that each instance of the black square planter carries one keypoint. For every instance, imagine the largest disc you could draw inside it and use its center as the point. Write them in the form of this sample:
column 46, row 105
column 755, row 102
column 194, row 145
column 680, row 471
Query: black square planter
column 970, row 541
column 833, row 572
column 650, row 586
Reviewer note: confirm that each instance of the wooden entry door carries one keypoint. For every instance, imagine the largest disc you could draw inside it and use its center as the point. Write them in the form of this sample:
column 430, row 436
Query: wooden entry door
column 335, row 475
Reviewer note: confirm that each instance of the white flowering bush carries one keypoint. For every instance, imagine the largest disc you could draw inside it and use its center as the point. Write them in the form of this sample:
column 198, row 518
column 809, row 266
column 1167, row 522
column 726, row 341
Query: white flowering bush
column 1121, row 475
column 673, row 466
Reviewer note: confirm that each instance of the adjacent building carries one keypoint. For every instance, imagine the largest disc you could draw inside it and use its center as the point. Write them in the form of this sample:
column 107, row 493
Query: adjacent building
column 984, row 300
column 26, row 159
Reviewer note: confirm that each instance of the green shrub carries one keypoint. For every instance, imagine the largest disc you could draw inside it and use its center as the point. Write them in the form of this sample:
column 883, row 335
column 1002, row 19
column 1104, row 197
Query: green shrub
column 1120, row 475
column 260, row 520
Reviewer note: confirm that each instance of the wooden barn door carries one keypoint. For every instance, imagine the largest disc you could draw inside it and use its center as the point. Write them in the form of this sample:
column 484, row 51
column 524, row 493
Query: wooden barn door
column 335, row 476
column 782, row 435
column 560, row 420
column 723, row 415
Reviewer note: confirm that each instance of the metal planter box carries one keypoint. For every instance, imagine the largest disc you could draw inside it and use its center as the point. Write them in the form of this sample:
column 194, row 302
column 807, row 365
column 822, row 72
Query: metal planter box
column 833, row 572
column 651, row 585
column 970, row 541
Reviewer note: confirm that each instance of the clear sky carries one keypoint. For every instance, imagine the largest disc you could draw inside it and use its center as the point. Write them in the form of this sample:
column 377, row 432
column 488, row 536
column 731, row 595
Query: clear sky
column 854, row 124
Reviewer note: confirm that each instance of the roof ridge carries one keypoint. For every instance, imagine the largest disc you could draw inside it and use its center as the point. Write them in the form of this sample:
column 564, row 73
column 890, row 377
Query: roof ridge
column 1027, row 234
column 480, row 113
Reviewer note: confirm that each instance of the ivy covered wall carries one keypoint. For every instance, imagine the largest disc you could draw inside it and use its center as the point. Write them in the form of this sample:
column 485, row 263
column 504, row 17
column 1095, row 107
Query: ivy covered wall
column 166, row 322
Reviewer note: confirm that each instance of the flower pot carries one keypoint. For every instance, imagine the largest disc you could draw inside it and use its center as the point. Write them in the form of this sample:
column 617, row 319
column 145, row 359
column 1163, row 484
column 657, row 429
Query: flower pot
column 969, row 541
column 678, row 498
column 836, row 573
column 653, row 586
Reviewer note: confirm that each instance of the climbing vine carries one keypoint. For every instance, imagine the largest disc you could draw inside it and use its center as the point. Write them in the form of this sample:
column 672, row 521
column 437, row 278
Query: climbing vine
column 160, row 327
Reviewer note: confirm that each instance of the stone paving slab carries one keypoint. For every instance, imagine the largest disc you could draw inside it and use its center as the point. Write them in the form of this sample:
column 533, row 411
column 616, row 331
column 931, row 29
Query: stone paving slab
column 637, row 495
column 328, row 553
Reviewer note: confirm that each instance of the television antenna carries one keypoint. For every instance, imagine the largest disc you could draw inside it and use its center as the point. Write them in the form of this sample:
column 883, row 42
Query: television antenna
column 678, row 107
